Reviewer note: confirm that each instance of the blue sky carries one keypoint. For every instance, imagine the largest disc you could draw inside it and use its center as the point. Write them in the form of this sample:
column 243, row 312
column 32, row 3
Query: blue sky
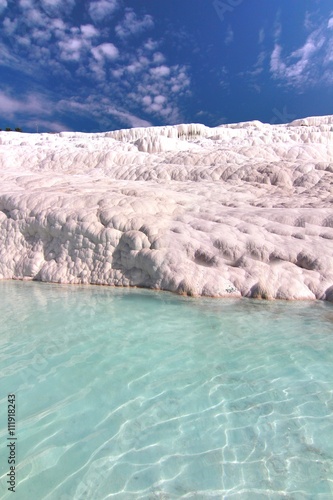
column 95, row 65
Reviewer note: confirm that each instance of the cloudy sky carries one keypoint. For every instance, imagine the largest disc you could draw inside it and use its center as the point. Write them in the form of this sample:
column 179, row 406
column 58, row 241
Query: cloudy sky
column 95, row 65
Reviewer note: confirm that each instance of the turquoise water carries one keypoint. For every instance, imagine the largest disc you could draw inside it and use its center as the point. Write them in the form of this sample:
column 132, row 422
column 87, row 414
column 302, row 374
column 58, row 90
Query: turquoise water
column 132, row 394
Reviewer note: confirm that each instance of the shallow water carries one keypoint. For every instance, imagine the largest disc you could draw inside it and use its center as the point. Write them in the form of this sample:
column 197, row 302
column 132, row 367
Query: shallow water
column 133, row 394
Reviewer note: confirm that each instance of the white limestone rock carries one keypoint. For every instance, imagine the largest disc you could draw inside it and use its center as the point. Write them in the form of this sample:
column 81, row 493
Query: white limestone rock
column 240, row 209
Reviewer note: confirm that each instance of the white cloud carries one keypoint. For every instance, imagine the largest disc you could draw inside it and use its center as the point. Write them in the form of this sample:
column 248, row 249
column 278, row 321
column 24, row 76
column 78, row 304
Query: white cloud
column 46, row 125
column 101, row 10
column 159, row 99
column 261, row 35
column 41, row 36
column 160, row 71
column 330, row 23
column 151, row 44
column 131, row 25
column 58, row 24
column 70, row 50
column 147, row 100
column 3, row 5
column 101, row 54
column 258, row 67
column 76, row 43
column 44, row 41
column 155, row 105
column 53, row 3
column 32, row 104
column 10, row 60
column 23, row 40
column 10, row 26
column 117, row 73
column 89, row 31
column 8, row 105
column 158, row 58
column 134, row 67
column 129, row 118
column 306, row 65
column 80, row 108
column 153, row 87
column 229, row 37
column 26, row 4
column 309, row 23
column 58, row 28
column 105, row 51
column 56, row 3
column 311, row 46
column 277, row 27
column 159, row 95
column 277, row 66
column 35, row 17
column 56, row 7
column 329, row 56
column 99, row 109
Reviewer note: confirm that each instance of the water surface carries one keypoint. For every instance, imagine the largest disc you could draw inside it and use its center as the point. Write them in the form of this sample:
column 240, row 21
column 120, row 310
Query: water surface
column 133, row 394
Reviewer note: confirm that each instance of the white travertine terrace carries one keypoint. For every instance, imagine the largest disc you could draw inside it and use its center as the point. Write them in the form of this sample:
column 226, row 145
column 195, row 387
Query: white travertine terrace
column 240, row 209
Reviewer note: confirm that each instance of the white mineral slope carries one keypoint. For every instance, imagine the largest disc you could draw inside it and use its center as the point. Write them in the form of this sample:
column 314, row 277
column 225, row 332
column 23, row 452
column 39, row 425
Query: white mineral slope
column 240, row 209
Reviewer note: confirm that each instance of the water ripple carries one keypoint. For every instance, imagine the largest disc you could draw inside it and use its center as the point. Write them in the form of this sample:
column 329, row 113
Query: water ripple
column 214, row 407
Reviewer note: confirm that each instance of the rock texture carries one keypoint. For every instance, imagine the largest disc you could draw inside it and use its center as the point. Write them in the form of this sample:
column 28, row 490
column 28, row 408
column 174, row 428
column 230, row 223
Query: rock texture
column 240, row 209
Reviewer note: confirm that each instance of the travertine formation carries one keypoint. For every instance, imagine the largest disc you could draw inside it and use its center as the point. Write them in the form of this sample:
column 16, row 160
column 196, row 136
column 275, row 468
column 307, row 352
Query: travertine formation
column 240, row 209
